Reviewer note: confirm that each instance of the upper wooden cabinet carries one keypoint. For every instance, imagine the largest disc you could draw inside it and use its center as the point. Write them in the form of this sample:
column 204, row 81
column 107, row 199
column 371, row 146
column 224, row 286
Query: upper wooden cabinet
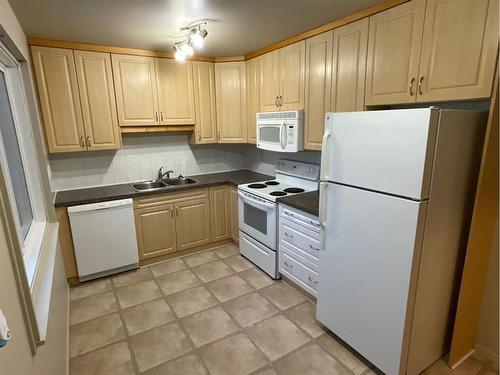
column 175, row 92
column 204, row 100
column 350, row 44
column 394, row 43
column 77, row 99
column 253, row 97
column 220, row 212
column 230, row 92
column 282, row 78
column 97, row 97
column 459, row 50
column 317, row 88
column 136, row 95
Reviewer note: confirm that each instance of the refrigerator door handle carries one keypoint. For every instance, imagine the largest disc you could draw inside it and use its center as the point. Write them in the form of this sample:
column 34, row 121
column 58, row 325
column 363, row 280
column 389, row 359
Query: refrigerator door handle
column 324, row 154
column 322, row 213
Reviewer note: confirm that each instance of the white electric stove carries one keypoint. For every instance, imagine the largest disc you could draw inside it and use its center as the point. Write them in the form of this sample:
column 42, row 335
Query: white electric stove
column 258, row 213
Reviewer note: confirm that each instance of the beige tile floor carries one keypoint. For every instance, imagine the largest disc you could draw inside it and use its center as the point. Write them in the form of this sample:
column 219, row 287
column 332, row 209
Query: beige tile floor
column 208, row 313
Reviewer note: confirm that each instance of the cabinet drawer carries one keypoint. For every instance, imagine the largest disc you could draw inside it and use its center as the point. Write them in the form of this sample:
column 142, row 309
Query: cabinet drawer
column 306, row 276
column 167, row 198
column 308, row 221
column 300, row 256
column 302, row 238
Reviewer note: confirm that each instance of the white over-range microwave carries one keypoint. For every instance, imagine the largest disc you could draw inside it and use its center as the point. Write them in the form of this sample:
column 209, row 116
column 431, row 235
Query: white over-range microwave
column 280, row 131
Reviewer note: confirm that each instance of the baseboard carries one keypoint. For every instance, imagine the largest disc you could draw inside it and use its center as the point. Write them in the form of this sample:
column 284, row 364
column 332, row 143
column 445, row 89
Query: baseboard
column 462, row 360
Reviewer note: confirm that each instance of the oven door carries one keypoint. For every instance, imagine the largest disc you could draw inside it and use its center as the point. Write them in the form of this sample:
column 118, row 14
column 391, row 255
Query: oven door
column 257, row 219
column 272, row 136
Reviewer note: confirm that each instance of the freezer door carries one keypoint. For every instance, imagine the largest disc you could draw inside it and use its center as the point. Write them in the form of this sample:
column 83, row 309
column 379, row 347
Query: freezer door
column 387, row 151
column 365, row 266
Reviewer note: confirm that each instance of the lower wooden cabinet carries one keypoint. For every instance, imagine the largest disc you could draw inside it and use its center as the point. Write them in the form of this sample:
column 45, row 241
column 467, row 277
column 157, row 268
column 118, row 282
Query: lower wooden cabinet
column 192, row 223
column 220, row 213
column 156, row 231
column 235, row 227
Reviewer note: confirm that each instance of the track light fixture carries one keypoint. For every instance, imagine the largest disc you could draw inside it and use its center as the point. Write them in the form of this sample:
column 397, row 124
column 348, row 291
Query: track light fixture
column 195, row 35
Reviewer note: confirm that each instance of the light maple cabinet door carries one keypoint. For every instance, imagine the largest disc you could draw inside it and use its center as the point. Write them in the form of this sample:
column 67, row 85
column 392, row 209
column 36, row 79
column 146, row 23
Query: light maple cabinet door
column 292, row 76
column 230, row 93
column 175, row 92
column 204, row 100
column 192, row 223
column 235, row 226
column 59, row 98
column 253, row 97
column 220, row 212
column 394, row 43
column 135, row 87
column 459, row 50
column 269, row 81
column 156, row 231
column 97, row 97
column 317, row 88
column 350, row 44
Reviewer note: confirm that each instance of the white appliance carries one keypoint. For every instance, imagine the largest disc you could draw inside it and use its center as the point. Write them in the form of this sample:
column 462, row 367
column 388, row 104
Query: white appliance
column 257, row 210
column 280, row 131
column 396, row 194
column 104, row 238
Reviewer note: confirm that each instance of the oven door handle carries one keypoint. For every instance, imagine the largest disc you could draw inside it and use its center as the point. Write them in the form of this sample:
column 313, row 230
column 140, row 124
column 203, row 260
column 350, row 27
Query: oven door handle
column 282, row 126
column 262, row 204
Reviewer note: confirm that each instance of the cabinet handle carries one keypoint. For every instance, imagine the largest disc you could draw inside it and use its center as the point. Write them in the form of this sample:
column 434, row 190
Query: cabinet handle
column 88, row 141
column 314, row 223
column 218, row 134
column 276, row 100
column 288, row 265
column 288, row 235
column 171, row 213
column 289, row 213
column 199, row 137
column 311, row 280
column 161, row 116
column 279, row 100
column 176, row 212
column 411, row 85
column 156, row 116
column 312, row 247
column 420, row 85
column 82, row 141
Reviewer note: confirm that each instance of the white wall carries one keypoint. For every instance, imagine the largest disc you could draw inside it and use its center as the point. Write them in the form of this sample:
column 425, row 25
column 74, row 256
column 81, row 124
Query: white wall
column 265, row 161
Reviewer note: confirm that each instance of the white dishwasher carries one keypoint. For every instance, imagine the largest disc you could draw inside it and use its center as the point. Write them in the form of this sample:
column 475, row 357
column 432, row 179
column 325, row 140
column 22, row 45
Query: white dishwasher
column 104, row 238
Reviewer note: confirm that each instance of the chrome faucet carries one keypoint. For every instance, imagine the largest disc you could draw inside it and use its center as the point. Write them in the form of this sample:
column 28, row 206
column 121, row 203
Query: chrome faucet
column 161, row 174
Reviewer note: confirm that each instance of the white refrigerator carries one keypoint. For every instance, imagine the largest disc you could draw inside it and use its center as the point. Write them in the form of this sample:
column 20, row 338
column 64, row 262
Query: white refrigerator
column 396, row 196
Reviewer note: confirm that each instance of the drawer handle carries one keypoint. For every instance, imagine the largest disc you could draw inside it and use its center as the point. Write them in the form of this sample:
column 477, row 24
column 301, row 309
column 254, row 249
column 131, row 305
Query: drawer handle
column 288, row 265
column 314, row 223
column 288, row 235
column 311, row 280
column 312, row 247
column 288, row 213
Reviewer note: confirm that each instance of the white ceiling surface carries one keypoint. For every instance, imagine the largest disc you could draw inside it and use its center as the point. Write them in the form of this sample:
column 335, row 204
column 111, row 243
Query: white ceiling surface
column 236, row 27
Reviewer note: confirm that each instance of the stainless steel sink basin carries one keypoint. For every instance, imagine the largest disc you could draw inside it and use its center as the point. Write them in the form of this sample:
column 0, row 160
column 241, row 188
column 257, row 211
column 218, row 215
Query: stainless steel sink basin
column 179, row 181
column 149, row 185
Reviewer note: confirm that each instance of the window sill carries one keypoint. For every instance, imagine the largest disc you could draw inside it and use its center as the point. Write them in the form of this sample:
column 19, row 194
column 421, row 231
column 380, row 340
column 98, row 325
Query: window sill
column 32, row 249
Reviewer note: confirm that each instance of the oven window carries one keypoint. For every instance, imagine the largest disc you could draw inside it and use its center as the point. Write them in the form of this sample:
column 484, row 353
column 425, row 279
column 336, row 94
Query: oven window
column 270, row 134
column 255, row 217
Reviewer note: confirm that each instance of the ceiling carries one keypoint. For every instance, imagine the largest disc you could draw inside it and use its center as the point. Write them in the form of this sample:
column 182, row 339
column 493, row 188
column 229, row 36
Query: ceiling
column 235, row 27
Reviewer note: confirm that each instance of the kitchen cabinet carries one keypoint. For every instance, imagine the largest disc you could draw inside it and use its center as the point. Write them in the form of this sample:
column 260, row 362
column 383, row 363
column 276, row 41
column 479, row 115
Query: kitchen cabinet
column 350, row 44
column 317, row 88
column 204, row 100
column 394, row 44
column 97, row 98
column 156, row 234
column 283, row 78
column 77, row 99
column 235, row 227
column 192, row 223
column 459, row 50
column 253, row 97
column 220, row 212
column 230, row 93
column 175, row 92
column 136, row 90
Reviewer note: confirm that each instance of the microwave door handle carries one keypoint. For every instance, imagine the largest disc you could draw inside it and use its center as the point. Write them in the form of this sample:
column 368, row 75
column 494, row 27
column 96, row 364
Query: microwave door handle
column 281, row 135
column 261, row 204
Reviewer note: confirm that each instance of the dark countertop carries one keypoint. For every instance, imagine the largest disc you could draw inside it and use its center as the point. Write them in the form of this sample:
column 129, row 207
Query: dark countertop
column 121, row 191
column 307, row 202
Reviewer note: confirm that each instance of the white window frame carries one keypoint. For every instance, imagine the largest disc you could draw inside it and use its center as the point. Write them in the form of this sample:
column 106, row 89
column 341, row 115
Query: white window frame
column 31, row 245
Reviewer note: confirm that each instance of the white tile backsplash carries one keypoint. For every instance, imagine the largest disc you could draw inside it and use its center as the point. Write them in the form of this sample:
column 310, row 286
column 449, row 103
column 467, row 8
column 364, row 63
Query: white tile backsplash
column 143, row 154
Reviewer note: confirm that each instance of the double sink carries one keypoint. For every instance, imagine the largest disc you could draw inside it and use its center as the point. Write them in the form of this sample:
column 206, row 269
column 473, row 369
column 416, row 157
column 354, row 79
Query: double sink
column 163, row 183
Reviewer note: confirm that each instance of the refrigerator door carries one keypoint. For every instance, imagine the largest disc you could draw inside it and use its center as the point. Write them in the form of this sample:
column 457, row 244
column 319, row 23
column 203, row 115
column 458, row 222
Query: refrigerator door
column 387, row 151
column 365, row 266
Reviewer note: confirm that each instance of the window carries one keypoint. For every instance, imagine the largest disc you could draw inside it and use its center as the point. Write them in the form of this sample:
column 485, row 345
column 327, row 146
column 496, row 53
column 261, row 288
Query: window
column 19, row 165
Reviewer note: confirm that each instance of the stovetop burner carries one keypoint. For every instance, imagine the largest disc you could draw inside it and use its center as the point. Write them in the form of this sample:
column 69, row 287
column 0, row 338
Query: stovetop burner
column 257, row 186
column 277, row 193
column 294, row 190
column 272, row 183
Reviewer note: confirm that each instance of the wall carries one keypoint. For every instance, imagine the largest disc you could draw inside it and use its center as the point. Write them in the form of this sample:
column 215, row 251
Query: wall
column 487, row 334
column 16, row 358
column 265, row 161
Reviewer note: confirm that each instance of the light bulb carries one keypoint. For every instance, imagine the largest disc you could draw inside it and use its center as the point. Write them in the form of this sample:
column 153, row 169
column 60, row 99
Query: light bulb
column 197, row 40
column 187, row 49
column 180, row 55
